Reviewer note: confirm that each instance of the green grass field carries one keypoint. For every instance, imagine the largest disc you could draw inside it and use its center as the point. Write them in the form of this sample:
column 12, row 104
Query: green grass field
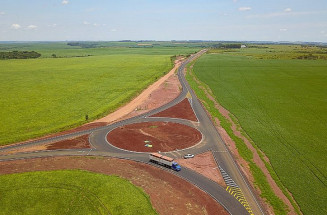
column 281, row 104
column 45, row 95
column 71, row 192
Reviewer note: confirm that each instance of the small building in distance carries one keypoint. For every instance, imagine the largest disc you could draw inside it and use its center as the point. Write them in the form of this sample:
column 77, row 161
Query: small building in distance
column 243, row 46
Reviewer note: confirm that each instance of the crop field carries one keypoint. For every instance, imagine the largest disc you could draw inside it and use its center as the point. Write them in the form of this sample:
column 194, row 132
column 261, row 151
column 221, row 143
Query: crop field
column 71, row 192
column 47, row 94
column 280, row 101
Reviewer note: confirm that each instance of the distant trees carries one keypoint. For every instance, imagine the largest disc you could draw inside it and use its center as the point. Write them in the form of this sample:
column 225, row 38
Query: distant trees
column 19, row 55
column 84, row 44
column 231, row 46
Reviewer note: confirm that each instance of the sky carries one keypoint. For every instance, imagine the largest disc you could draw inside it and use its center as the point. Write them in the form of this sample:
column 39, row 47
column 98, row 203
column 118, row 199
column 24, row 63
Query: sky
column 108, row 20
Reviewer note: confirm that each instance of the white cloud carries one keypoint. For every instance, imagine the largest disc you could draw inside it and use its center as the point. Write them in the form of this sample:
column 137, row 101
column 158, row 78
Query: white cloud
column 64, row 2
column 113, row 30
column 32, row 27
column 86, row 23
column 280, row 14
column 53, row 25
column 16, row 26
column 244, row 8
column 283, row 29
column 2, row 13
column 96, row 24
column 288, row 10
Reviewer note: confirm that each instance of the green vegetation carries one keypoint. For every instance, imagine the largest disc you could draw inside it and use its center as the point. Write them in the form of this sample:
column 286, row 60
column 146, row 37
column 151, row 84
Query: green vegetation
column 19, row 55
column 285, row 52
column 71, row 192
column 260, row 180
column 281, row 104
column 47, row 95
column 59, row 91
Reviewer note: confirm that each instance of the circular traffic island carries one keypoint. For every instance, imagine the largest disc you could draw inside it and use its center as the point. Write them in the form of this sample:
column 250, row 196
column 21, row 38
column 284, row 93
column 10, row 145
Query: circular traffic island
column 154, row 137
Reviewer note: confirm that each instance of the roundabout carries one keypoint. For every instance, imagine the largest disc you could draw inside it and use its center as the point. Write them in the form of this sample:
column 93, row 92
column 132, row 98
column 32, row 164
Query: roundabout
column 154, row 137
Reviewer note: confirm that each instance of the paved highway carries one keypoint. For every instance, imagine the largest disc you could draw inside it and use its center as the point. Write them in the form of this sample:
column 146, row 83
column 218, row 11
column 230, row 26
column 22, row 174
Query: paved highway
column 211, row 141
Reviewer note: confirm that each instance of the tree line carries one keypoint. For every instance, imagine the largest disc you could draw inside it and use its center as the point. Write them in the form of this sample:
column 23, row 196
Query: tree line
column 19, row 55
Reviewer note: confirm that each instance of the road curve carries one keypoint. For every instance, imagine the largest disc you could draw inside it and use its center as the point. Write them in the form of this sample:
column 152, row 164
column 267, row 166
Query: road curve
column 211, row 141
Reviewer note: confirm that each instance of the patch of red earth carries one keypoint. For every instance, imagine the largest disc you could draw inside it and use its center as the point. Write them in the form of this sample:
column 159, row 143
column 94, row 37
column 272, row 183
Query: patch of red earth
column 163, row 136
column 168, row 193
column 242, row 163
column 182, row 110
column 204, row 164
column 80, row 142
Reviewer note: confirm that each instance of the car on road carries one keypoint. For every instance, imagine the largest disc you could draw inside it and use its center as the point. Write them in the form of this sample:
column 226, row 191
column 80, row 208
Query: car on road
column 187, row 156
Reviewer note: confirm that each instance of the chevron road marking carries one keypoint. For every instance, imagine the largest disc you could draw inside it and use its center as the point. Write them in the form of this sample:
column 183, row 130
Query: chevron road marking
column 235, row 191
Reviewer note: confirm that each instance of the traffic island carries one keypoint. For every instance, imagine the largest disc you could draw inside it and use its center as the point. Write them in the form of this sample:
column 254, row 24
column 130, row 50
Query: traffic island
column 154, row 137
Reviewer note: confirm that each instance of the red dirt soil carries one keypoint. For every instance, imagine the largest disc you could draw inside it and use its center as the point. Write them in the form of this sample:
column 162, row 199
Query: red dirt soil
column 168, row 193
column 81, row 142
column 163, row 136
column 205, row 165
column 182, row 110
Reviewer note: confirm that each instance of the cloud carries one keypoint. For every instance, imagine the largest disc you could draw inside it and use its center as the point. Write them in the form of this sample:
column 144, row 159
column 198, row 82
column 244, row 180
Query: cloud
column 86, row 23
column 32, row 27
column 283, row 29
column 113, row 30
column 16, row 26
column 2, row 13
column 288, row 10
column 96, row 24
column 281, row 14
column 53, row 25
column 64, row 2
column 244, row 8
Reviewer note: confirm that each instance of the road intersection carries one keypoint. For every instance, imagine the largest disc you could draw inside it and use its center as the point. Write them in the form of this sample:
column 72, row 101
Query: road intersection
column 237, row 198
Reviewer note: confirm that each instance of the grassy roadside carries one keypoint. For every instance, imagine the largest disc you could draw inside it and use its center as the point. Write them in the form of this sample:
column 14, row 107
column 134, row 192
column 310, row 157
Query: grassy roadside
column 71, row 192
column 259, row 178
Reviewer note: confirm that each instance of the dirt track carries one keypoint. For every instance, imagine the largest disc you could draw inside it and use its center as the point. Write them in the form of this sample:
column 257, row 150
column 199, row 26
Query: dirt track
column 163, row 136
column 168, row 193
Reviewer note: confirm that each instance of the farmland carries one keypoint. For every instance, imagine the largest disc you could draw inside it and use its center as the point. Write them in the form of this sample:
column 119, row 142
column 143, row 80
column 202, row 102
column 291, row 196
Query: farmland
column 71, row 192
column 279, row 99
column 57, row 91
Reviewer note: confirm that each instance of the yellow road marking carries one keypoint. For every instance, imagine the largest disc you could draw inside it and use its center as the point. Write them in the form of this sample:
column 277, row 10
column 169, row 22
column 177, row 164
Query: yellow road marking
column 237, row 193
column 188, row 95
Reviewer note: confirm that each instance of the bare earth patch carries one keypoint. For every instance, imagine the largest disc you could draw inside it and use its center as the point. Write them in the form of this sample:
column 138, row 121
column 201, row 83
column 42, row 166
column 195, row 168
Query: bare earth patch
column 168, row 193
column 204, row 164
column 163, row 136
column 81, row 142
column 182, row 110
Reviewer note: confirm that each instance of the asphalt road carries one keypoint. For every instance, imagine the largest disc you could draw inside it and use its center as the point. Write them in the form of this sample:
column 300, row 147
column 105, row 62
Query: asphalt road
column 211, row 141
